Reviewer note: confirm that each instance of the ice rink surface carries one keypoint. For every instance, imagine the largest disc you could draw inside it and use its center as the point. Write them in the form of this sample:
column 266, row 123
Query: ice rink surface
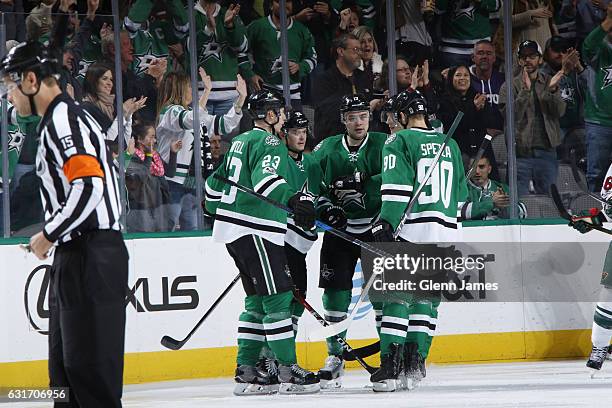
column 521, row 384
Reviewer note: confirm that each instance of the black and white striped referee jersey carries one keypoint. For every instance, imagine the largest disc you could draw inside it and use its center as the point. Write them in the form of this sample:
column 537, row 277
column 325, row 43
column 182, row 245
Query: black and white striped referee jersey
column 79, row 186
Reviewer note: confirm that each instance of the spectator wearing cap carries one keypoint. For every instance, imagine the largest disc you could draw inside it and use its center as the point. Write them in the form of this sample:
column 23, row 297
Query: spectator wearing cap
column 487, row 80
column 538, row 106
column 597, row 52
column 342, row 78
column 558, row 55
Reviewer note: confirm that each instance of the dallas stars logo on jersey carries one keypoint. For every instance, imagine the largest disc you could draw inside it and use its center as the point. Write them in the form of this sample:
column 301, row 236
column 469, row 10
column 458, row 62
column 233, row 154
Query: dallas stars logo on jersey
column 212, row 49
column 144, row 59
column 607, row 81
column 350, row 197
column 464, row 9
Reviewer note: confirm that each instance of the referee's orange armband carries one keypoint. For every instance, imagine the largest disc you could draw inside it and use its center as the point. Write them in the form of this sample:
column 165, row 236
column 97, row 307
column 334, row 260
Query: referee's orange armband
column 82, row 165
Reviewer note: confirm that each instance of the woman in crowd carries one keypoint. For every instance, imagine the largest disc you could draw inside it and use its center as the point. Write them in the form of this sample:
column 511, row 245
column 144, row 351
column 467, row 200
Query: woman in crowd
column 99, row 101
column 460, row 96
column 145, row 179
column 371, row 61
column 176, row 121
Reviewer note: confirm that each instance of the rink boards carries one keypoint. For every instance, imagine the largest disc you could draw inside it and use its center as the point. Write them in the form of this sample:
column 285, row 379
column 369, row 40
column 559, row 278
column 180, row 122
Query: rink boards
column 174, row 280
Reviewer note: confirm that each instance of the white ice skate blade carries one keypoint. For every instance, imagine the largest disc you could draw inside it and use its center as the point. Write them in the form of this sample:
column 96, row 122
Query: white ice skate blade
column 289, row 388
column 331, row 384
column 386, row 386
column 245, row 389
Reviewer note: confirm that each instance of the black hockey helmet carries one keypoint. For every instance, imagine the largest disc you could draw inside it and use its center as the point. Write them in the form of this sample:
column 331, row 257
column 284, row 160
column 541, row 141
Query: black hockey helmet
column 260, row 102
column 295, row 120
column 354, row 103
column 28, row 56
column 388, row 107
column 411, row 103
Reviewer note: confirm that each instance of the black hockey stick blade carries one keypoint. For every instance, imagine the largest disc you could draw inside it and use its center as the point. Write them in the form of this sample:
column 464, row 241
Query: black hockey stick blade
column 174, row 344
column 362, row 352
column 554, row 193
column 348, row 350
column 581, row 183
column 565, row 214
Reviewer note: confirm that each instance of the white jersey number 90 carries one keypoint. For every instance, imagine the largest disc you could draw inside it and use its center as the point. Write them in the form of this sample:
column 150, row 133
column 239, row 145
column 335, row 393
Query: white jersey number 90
column 440, row 183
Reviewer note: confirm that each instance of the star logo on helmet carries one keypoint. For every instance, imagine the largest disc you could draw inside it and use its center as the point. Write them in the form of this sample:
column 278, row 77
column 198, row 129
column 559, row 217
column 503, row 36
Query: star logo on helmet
column 212, row 49
column 607, row 81
column 144, row 59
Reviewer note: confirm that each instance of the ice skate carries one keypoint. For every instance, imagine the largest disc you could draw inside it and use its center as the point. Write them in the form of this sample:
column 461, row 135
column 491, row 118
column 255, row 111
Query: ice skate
column 386, row 379
column 296, row 380
column 248, row 382
column 331, row 373
column 596, row 359
column 414, row 367
column 267, row 370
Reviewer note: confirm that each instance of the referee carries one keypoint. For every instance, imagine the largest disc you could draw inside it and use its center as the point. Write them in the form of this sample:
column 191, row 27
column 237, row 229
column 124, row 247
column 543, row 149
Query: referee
column 80, row 197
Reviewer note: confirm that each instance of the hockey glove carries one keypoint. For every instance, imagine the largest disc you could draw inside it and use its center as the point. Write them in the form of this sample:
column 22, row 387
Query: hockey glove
column 382, row 231
column 334, row 216
column 303, row 210
column 354, row 181
column 583, row 222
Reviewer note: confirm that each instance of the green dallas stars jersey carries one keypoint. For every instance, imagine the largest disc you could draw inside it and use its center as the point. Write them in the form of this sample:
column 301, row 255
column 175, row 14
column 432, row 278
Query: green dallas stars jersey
column 337, row 159
column 150, row 39
column 264, row 45
column 479, row 205
column 258, row 160
column 222, row 53
column 15, row 142
column 305, row 176
column 597, row 52
column 465, row 22
column 407, row 156
column 92, row 52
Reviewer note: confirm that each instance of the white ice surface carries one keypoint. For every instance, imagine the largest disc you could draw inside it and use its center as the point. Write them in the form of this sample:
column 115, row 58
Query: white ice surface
column 522, row 384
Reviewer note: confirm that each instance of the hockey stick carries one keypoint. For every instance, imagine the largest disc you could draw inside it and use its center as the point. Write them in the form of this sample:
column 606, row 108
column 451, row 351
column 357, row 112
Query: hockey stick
column 581, row 183
column 470, row 173
column 344, row 325
column 565, row 214
column 174, row 344
column 363, row 352
column 320, row 224
column 348, row 350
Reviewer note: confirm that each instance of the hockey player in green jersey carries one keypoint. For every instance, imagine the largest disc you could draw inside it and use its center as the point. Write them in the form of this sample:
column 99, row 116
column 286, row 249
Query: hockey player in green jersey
column 305, row 176
column 153, row 26
column 254, row 234
column 351, row 164
column 407, row 156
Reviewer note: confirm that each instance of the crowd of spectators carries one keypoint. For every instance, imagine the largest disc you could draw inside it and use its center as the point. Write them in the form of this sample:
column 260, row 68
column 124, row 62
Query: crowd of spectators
column 452, row 51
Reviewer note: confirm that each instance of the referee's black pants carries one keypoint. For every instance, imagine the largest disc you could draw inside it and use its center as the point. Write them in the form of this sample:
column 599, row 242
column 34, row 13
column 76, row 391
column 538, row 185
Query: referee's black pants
column 87, row 319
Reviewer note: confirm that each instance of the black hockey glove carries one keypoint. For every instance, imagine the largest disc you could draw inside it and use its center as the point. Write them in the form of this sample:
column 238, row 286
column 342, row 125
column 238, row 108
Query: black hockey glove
column 303, row 210
column 583, row 222
column 334, row 216
column 354, row 181
column 382, row 231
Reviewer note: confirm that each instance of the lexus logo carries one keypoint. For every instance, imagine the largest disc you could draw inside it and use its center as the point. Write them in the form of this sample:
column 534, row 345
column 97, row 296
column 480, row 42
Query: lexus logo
column 36, row 298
